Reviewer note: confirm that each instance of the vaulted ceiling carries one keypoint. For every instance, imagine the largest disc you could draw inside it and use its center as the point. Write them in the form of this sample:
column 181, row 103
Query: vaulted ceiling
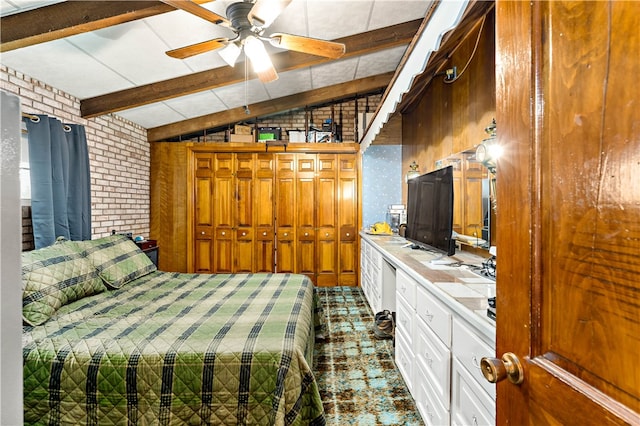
column 111, row 56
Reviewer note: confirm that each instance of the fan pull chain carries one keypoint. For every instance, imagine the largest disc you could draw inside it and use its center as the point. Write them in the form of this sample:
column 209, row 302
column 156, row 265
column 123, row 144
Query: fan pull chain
column 246, row 85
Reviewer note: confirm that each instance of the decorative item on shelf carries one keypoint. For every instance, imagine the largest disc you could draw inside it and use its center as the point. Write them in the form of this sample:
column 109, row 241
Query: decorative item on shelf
column 412, row 173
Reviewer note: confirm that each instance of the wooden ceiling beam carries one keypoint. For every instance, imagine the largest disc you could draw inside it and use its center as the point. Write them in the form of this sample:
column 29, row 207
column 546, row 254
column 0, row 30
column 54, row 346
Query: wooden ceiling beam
column 356, row 45
column 70, row 18
column 273, row 106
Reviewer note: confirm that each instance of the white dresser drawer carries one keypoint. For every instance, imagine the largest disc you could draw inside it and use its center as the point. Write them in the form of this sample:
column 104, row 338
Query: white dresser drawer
column 404, row 359
column 429, row 405
column 435, row 359
column 406, row 287
column 470, row 349
column 470, row 404
column 435, row 315
column 376, row 258
column 405, row 319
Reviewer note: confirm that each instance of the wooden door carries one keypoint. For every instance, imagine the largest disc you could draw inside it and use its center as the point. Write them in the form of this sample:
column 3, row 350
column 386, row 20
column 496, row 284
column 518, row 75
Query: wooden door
column 348, row 252
column 203, row 213
column 286, row 213
column 224, row 212
column 568, row 200
column 326, row 220
column 264, row 245
column 306, row 215
column 243, row 204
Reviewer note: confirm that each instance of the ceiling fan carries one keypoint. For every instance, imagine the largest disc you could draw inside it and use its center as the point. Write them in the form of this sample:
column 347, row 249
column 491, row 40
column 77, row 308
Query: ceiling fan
column 249, row 21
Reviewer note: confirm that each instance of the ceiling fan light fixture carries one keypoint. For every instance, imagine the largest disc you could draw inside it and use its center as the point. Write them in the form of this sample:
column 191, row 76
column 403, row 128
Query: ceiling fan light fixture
column 266, row 11
column 230, row 53
column 260, row 60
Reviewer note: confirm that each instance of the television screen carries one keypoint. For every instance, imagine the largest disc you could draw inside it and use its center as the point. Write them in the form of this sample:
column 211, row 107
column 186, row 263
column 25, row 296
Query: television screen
column 430, row 211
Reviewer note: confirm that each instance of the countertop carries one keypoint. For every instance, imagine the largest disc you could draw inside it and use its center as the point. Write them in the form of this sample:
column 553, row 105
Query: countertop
column 455, row 280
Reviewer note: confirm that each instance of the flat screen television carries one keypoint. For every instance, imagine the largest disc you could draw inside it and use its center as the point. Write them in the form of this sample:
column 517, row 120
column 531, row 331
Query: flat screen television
column 430, row 211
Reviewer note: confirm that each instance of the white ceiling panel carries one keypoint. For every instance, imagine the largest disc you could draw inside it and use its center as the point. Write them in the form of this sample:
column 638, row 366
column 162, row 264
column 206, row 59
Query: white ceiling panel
column 62, row 65
column 289, row 83
column 197, row 104
column 152, row 115
column 379, row 62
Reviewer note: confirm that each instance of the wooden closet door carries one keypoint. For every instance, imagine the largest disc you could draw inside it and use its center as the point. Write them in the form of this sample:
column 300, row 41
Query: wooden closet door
column 326, row 211
column 286, row 213
column 306, row 215
column 264, row 213
column 348, row 252
column 203, row 213
column 223, row 212
column 244, row 213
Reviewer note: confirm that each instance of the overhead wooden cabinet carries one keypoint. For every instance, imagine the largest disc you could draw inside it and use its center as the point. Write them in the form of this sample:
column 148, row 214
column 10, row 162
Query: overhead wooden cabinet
column 277, row 212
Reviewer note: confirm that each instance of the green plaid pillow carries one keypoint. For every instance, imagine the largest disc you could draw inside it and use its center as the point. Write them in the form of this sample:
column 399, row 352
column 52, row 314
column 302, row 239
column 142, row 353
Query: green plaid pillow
column 117, row 259
column 52, row 277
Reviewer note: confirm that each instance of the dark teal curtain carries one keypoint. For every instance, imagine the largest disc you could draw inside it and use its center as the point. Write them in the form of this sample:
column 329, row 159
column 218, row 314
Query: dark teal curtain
column 60, row 180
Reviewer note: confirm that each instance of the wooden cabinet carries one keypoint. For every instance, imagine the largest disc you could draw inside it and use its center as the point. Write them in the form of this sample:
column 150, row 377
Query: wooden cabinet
column 291, row 212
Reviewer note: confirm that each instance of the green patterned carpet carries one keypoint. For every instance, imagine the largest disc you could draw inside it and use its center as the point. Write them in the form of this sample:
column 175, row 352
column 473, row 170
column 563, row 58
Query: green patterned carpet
column 358, row 379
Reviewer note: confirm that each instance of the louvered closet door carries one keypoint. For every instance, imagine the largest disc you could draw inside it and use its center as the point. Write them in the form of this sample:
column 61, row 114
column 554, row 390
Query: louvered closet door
column 203, row 213
column 264, row 213
column 326, row 212
column 285, row 208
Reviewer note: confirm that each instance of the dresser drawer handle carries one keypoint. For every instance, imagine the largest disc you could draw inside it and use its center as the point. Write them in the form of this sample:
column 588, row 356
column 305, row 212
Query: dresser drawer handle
column 348, row 234
column 306, row 234
column 429, row 359
column 428, row 315
column 264, row 233
column 244, row 233
column 202, row 232
column 224, row 233
column 286, row 234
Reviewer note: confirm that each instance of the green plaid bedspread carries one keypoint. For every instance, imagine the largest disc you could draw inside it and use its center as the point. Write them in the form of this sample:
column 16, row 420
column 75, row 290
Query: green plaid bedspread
column 174, row 348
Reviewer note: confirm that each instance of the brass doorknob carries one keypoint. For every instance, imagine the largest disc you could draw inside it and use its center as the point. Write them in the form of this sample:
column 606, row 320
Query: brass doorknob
column 509, row 367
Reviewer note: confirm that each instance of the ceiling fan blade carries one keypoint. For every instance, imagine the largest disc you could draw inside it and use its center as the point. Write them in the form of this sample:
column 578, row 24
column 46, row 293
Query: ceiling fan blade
column 198, row 48
column 264, row 12
column 195, row 9
column 313, row 46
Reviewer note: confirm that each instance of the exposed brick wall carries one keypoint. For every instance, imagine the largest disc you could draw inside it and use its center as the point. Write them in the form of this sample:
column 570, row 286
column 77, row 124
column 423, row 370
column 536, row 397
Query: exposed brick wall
column 119, row 155
column 295, row 119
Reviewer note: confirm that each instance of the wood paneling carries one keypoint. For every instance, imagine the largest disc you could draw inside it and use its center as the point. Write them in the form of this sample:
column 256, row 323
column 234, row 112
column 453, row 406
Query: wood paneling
column 450, row 117
column 169, row 200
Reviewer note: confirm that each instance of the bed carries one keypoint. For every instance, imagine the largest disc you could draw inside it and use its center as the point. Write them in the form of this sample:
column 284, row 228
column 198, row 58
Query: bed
column 108, row 339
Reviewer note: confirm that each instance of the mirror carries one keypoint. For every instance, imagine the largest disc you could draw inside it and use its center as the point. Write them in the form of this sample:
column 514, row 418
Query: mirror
column 473, row 217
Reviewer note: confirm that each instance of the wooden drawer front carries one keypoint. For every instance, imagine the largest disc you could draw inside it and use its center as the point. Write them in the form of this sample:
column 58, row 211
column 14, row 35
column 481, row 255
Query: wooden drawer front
column 264, row 234
column 243, row 234
column 347, row 233
column 405, row 319
column 204, row 232
column 435, row 359
column 286, row 235
column 376, row 258
column 406, row 287
column 224, row 234
column 470, row 404
column 429, row 404
column 327, row 234
column 434, row 315
column 404, row 359
column 469, row 349
column 306, row 234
